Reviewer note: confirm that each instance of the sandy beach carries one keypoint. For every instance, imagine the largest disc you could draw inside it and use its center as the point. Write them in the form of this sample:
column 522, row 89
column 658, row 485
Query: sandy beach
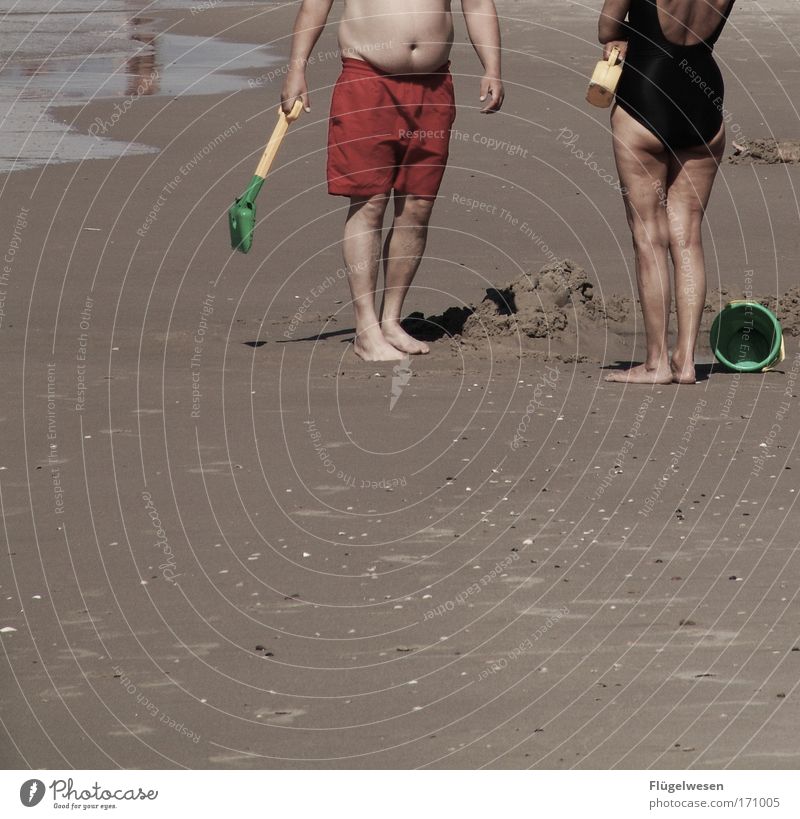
column 228, row 543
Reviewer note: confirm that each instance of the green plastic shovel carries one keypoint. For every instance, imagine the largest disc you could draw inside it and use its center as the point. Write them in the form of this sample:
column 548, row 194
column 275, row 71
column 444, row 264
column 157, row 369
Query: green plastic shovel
column 242, row 215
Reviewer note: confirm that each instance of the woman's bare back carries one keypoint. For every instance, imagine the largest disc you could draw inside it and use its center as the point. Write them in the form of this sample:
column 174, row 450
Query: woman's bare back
column 688, row 22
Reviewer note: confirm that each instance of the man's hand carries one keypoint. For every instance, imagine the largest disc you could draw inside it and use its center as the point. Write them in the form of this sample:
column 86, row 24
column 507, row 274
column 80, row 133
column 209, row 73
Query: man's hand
column 307, row 27
column 622, row 45
column 294, row 88
column 483, row 29
column 491, row 89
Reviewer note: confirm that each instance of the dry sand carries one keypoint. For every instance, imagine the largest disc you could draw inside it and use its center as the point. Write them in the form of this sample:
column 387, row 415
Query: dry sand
column 231, row 544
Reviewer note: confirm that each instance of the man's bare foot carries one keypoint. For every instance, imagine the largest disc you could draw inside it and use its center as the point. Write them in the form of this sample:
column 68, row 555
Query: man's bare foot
column 682, row 372
column 642, row 374
column 371, row 345
column 398, row 337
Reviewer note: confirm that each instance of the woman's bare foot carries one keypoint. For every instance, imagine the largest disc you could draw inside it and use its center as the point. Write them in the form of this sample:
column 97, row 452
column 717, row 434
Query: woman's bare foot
column 371, row 345
column 642, row 374
column 682, row 371
column 398, row 337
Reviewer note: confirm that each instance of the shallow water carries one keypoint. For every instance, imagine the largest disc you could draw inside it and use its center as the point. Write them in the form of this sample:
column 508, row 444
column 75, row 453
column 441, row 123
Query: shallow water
column 69, row 53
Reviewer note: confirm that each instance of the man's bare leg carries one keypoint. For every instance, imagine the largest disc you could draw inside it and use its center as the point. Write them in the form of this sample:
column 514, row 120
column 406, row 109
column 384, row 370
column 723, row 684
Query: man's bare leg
column 402, row 254
column 361, row 248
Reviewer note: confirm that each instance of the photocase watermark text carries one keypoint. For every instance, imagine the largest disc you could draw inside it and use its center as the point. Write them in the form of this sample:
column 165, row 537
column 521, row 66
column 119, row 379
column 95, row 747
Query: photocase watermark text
column 168, row 566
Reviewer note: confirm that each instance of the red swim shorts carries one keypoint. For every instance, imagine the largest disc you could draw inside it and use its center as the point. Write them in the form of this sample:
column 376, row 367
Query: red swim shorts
column 389, row 131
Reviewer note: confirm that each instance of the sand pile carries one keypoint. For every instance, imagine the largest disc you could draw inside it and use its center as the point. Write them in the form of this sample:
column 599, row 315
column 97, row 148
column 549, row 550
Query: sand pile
column 553, row 313
column 556, row 314
column 786, row 307
column 765, row 152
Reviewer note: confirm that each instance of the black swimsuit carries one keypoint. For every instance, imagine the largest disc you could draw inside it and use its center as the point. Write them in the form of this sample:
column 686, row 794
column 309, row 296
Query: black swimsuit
column 675, row 91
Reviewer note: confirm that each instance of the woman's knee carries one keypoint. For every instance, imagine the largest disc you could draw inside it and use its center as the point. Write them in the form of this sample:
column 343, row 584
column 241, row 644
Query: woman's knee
column 686, row 229
column 650, row 234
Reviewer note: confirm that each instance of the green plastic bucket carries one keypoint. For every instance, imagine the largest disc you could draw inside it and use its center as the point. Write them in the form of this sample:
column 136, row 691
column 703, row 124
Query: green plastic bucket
column 747, row 337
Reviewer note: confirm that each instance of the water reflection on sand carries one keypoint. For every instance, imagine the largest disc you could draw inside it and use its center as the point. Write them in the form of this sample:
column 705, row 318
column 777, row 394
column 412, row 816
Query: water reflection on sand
column 84, row 53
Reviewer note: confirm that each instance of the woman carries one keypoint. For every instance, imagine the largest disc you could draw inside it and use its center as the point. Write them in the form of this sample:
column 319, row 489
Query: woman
column 669, row 137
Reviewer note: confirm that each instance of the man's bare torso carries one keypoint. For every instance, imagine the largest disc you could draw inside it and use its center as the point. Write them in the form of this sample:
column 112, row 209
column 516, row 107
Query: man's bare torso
column 398, row 36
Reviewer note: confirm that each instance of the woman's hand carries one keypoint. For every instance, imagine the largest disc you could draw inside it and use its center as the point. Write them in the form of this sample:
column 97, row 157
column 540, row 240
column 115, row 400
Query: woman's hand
column 611, row 27
column 622, row 45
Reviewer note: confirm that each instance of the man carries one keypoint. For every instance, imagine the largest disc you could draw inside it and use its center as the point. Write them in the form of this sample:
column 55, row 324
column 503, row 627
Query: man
column 391, row 114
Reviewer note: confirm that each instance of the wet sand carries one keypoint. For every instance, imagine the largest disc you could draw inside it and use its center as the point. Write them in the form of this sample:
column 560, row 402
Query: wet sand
column 232, row 544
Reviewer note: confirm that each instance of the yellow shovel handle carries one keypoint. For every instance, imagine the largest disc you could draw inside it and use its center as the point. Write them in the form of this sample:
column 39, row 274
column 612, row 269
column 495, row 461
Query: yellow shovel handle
column 613, row 57
column 277, row 137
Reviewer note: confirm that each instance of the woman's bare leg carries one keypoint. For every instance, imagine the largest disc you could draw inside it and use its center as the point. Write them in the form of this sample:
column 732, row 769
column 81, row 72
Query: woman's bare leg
column 643, row 164
column 691, row 178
